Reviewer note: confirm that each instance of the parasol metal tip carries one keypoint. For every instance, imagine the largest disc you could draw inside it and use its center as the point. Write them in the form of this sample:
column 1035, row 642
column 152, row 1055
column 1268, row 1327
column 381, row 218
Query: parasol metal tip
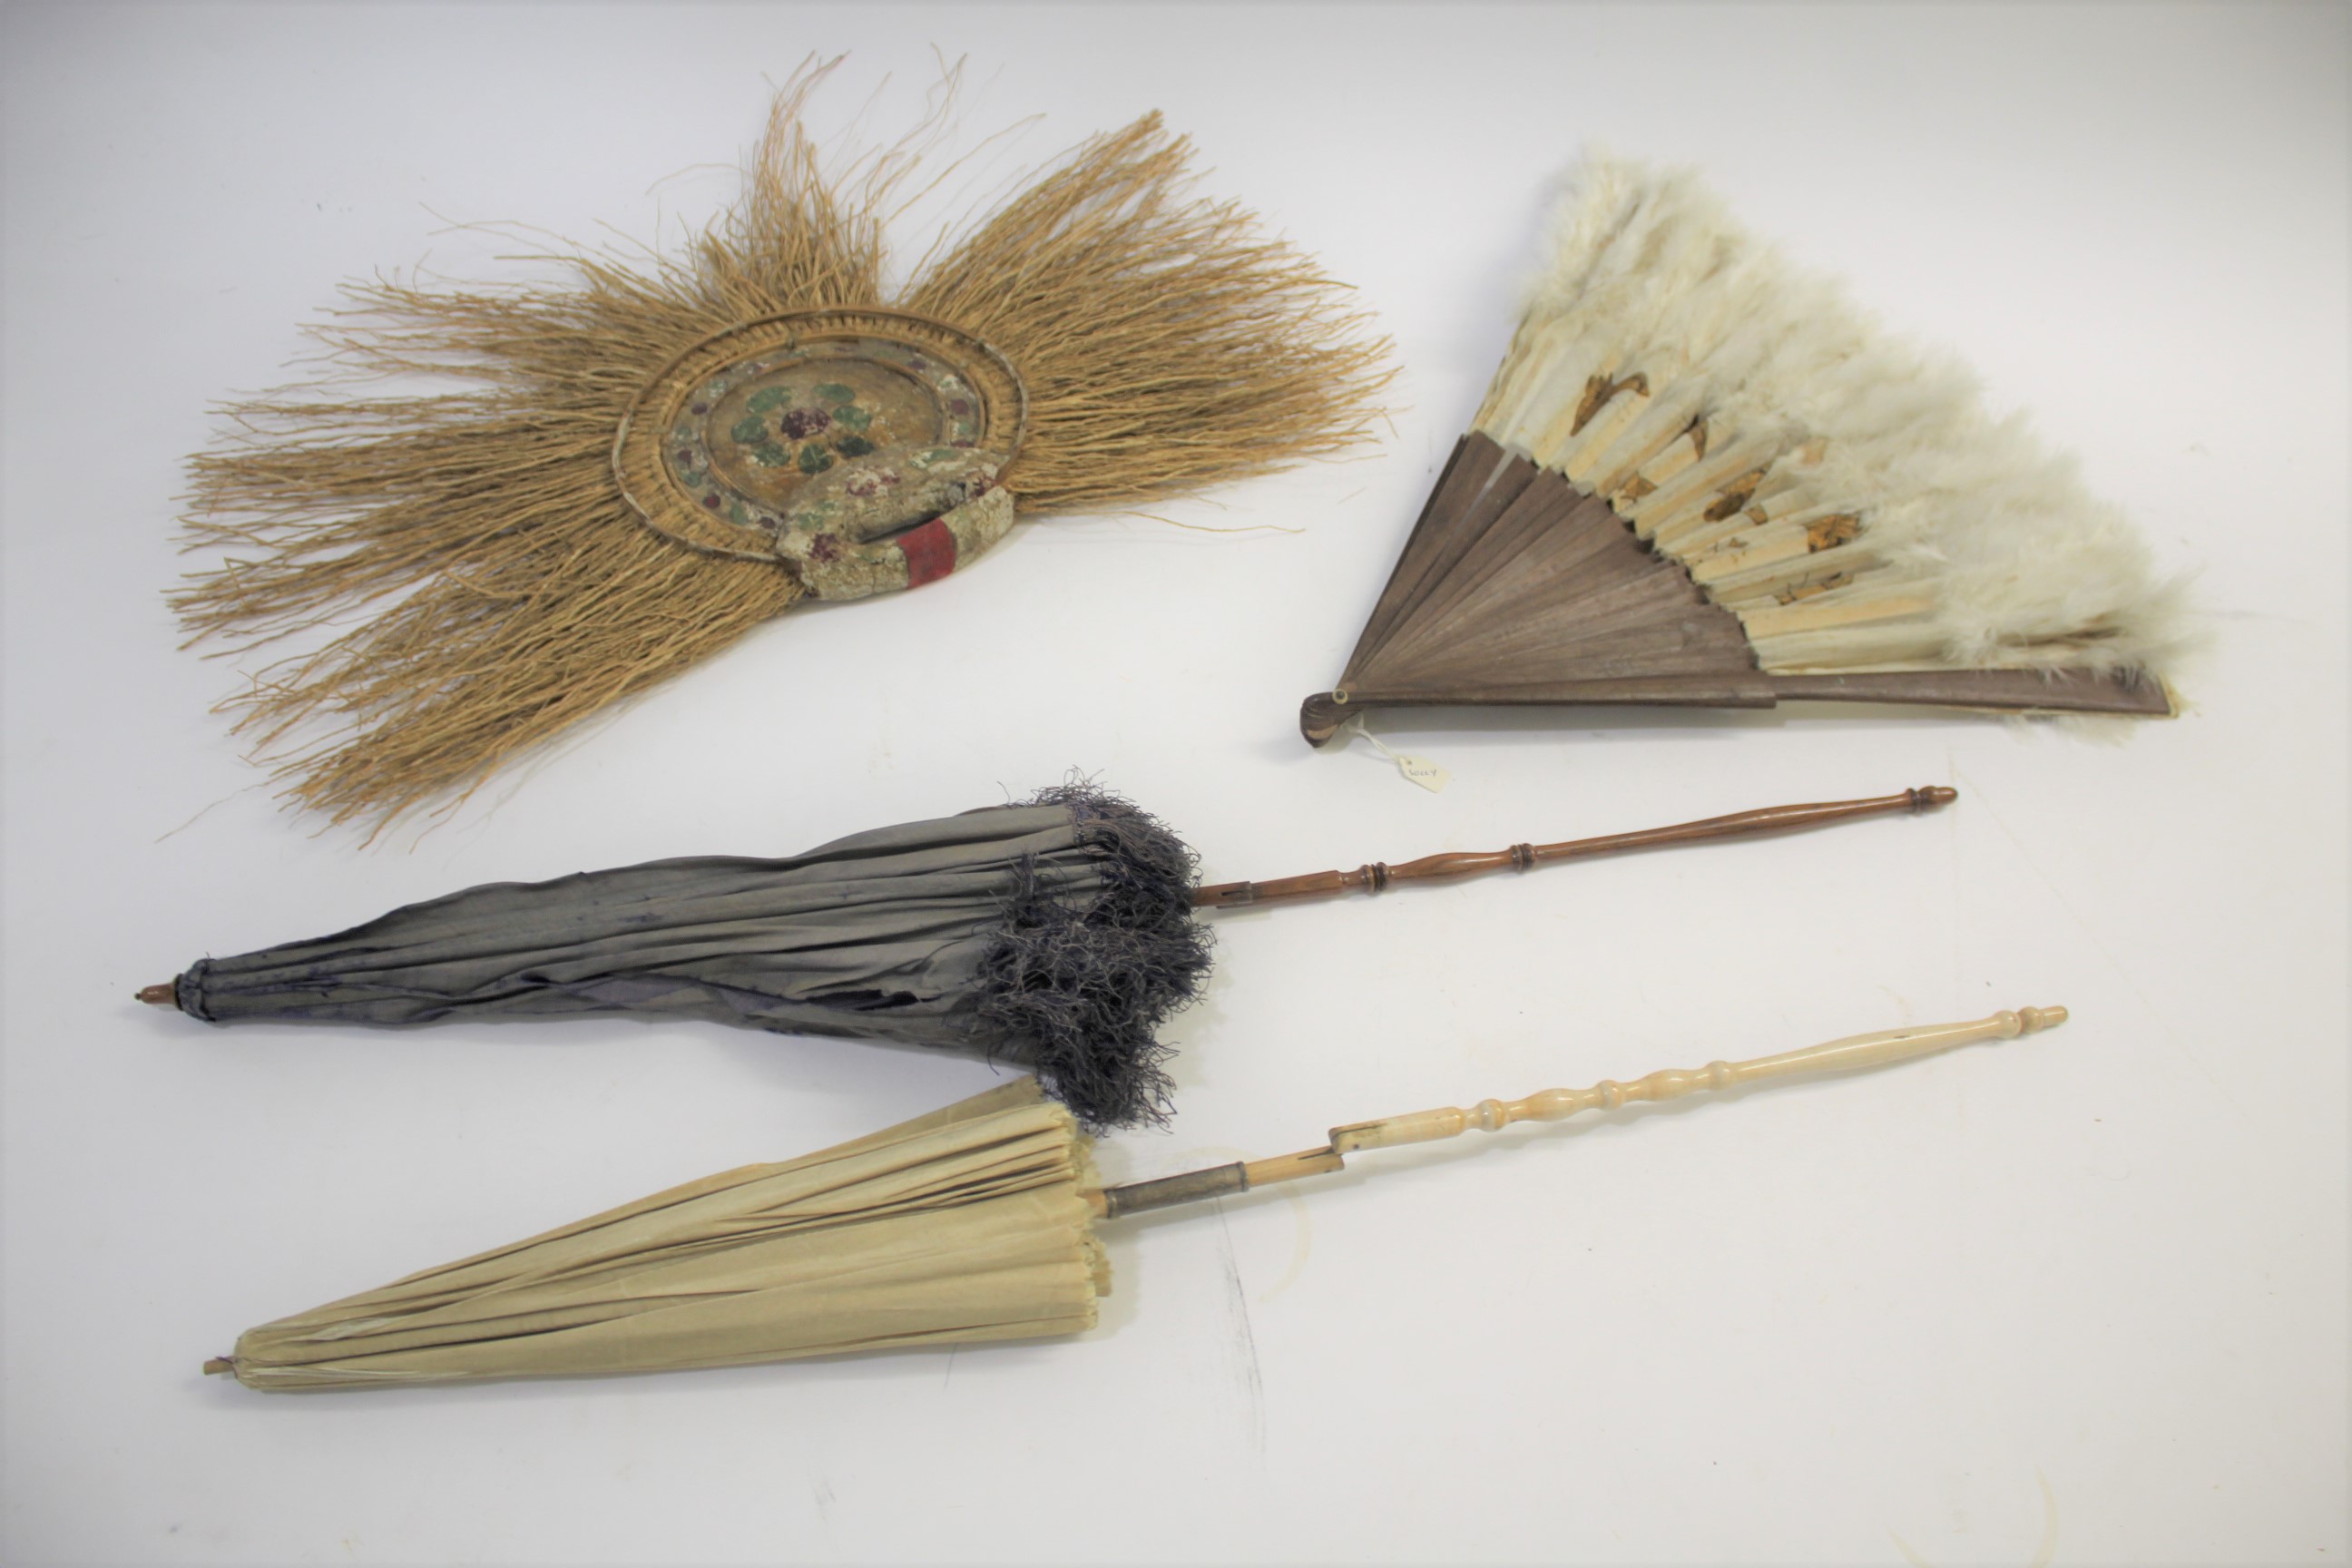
column 167, row 994
column 1929, row 797
column 220, row 1366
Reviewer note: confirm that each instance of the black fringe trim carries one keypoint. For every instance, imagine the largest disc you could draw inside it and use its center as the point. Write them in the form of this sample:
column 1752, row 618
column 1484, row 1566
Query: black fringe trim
column 1079, row 991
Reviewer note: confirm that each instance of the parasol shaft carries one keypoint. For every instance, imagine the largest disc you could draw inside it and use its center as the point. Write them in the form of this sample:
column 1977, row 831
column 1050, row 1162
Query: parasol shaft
column 1376, row 877
column 1853, row 1054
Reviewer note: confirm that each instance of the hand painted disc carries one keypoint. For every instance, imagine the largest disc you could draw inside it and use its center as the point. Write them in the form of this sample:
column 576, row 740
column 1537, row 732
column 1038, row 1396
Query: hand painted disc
column 715, row 446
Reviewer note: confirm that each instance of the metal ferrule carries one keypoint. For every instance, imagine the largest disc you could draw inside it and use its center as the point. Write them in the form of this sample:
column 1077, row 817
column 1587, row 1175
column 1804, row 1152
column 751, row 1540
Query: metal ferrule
column 1168, row 1191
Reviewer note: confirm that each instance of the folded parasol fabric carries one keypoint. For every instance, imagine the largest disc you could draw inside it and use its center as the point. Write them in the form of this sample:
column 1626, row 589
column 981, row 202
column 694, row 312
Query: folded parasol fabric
column 967, row 1224
column 1057, row 933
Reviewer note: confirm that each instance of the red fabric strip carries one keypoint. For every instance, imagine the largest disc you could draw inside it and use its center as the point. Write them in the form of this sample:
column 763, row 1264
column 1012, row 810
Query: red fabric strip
column 930, row 552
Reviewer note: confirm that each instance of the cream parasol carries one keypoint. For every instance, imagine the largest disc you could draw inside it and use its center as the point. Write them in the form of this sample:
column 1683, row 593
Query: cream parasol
column 976, row 1222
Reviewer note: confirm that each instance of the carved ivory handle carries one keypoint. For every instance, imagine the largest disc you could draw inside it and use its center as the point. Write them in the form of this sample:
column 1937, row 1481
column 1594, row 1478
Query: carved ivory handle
column 1672, row 1083
column 1851, row 1055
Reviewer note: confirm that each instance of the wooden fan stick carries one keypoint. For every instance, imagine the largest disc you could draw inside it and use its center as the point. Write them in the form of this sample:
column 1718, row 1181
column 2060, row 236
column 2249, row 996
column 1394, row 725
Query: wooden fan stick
column 1853, row 1054
column 1321, row 716
column 1374, row 877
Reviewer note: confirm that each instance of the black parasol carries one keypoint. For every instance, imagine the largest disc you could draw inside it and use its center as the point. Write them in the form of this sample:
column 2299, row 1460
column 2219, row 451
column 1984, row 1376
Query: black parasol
column 1057, row 932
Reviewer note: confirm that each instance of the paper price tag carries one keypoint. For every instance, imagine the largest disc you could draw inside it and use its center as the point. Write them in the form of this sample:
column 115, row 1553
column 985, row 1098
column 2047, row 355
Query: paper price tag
column 1429, row 776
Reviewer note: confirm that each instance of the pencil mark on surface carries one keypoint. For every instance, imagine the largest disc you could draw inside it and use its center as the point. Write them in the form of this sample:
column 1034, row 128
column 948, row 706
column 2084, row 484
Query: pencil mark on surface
column 1242, row 1338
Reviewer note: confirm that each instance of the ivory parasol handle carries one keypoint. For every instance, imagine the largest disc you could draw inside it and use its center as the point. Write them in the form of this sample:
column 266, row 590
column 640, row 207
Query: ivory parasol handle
column 1853, row 1054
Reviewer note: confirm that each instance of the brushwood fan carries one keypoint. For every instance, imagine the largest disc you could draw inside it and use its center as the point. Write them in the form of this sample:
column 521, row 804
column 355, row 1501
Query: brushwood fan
column 639, row 461
column 1703, row 477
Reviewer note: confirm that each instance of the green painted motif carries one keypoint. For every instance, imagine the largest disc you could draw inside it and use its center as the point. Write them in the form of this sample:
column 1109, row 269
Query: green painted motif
column 750, row 436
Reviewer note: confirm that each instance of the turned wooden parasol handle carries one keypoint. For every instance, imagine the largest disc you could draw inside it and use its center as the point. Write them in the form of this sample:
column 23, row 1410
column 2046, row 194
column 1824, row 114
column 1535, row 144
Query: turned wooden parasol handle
column 1852, row 1054
column 1374, row 877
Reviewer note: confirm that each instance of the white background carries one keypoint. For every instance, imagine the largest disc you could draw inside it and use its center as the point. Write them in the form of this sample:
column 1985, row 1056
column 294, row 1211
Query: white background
column 2080, row 1299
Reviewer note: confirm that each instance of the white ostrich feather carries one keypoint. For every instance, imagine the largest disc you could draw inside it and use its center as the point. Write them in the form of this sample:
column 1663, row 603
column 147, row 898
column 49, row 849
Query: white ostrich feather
column 1844, row 493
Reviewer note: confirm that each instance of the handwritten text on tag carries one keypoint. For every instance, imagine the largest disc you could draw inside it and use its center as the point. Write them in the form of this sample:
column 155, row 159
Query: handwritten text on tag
column 1429, row 776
